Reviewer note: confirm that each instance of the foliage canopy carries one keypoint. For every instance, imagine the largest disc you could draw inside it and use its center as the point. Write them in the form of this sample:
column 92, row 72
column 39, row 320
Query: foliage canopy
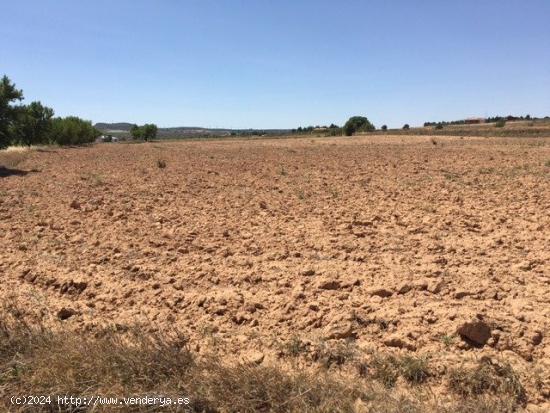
column 357, row 124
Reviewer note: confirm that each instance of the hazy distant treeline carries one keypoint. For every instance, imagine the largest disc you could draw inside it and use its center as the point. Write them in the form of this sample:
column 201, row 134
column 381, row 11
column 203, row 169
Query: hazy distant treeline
column 493, row 119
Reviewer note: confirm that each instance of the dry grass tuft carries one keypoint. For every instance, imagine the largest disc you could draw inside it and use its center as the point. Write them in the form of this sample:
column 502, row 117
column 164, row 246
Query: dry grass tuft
column 414, row 369
column 388, row 368
column 487, row 377
column 37, row 360
column 337, row 353
column 385, row 369
column 12, row 157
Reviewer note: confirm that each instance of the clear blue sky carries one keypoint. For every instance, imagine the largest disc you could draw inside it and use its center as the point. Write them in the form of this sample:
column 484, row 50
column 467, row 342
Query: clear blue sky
column 279, row 63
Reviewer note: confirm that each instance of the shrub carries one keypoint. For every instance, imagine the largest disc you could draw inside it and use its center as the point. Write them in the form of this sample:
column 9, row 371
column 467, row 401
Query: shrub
column 384, row 127
column 357, row 124
column 500, row 123
column 406, row 126
column 439, row 126
column 73, row 131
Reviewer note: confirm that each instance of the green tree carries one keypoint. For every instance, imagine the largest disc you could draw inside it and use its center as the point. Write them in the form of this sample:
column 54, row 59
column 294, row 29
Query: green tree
column 73, row 131
column 8, row 113
column 136, row 132
column 149, row 131
column 357, row 124
column 384, row 127
column 146, row 132
column 33, row 124
column 406, row 126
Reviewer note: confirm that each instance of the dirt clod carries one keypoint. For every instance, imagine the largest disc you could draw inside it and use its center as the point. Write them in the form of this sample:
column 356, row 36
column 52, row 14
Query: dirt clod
column 477, row 332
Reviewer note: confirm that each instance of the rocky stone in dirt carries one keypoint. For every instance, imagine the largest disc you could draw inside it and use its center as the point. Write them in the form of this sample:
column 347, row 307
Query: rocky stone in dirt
column 421, row 285
column 75, row 204
column 525, row 266
column 328, row 284
column 381, row 292
column 536, row 338
column 65, row 313
column 339, row 331
column 461, row 294
column 436, row 286
column 255, row 357
column 308, row 272
column 404, row 288
column 395, row 340
column 476, row 332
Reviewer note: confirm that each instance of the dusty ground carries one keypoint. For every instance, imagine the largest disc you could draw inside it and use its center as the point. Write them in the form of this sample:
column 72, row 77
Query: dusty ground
column 249, row 246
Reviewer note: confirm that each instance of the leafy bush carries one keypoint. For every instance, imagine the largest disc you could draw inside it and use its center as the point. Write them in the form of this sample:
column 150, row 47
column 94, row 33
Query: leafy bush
column 357, row 124
column 500, row 123
column 72, row 131
column 439, row 126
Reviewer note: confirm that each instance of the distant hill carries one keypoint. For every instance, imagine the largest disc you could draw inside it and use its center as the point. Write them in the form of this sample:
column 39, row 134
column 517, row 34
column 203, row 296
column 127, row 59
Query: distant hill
column 123, row 129
column 122, row 126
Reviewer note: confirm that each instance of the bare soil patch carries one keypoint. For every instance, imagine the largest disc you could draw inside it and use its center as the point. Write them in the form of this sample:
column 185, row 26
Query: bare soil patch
column 298, row 253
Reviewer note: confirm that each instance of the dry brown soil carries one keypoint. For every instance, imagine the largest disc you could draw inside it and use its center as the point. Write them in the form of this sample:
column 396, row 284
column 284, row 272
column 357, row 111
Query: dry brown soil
column 394, row 243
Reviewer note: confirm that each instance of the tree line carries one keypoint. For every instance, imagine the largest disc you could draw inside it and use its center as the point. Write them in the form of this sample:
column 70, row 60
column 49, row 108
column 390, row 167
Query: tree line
column 35, row 124
column 492, row 119
column 351, row 127
column 146, row 132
